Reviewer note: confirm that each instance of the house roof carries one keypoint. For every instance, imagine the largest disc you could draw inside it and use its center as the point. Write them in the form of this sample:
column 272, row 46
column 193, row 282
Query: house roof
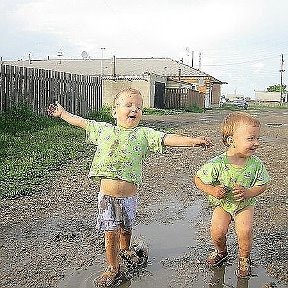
column 123, row 66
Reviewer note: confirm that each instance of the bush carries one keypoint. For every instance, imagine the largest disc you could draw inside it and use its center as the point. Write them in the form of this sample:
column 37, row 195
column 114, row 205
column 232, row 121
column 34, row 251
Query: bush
column 21, row 118
column 103, row 115
column 194, row 109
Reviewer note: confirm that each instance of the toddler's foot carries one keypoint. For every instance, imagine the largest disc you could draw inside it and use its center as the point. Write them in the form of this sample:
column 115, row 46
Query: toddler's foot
column 216, row 258
column 244, row 267
column 110, row 277
column 134, row 259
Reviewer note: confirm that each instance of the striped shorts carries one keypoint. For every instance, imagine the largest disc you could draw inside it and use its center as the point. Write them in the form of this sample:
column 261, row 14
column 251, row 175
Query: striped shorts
column 114, row 212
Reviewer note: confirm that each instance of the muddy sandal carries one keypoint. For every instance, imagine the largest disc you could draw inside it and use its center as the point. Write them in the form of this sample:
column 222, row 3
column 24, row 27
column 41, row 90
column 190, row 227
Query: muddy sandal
column 244, row 268
column 109, row 278
column 134, row 259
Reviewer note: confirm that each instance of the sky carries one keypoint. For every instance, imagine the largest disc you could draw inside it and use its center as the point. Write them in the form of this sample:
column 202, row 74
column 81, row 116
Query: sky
column 240, row 42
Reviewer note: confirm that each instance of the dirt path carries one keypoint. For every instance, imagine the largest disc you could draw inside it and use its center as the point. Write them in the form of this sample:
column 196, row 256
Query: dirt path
column 46, row 236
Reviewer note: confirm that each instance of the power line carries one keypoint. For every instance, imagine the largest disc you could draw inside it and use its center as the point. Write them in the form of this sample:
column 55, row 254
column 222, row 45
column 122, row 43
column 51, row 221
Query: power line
column 240, row 63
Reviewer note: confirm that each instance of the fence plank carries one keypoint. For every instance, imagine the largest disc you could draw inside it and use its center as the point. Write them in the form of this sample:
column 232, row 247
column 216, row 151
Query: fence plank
column 38, row 87
column 178, row 98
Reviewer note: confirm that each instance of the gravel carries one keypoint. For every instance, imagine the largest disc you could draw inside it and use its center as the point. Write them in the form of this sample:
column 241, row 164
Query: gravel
column 46, row 234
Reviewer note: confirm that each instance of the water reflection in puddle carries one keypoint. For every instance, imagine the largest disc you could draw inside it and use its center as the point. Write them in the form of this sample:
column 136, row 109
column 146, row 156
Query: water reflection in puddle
column 168, row 241
column 224, row 277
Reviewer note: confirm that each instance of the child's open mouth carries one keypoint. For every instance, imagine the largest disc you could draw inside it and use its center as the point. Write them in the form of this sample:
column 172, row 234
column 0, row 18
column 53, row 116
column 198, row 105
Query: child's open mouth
column 132, row 117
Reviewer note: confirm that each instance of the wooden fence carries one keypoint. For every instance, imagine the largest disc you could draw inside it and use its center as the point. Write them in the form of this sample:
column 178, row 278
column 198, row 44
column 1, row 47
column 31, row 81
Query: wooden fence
column 38, row 88
column 177, row 98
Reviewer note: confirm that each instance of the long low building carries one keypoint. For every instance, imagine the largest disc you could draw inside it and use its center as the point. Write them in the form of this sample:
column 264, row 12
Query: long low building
column 264, row 96
column 161, row 73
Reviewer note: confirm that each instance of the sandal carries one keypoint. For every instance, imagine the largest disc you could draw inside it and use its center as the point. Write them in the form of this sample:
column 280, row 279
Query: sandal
column 134, row 259
column 216, row 258
column 244, row 267
column 110, row 277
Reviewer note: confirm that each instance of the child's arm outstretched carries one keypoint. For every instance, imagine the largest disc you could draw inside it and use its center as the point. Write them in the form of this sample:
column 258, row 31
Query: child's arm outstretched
column 56, row 110
column 185, row 141
column 218, row 191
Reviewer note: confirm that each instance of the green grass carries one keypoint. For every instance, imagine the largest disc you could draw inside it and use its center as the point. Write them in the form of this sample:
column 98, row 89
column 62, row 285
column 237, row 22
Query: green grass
column 254, row 106
column 157, row 111
column 262, row 106
column 32, row 148
column 103, row 115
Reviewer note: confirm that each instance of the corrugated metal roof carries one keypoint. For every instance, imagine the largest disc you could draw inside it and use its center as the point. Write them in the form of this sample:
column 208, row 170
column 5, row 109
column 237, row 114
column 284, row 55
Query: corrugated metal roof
column 123, row 66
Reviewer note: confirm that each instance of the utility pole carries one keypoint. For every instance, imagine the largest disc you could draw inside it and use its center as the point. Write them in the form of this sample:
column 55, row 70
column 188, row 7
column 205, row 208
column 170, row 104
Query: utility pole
column 102, row 54
column 281, row 78
column 200, row 61
column 192, row 59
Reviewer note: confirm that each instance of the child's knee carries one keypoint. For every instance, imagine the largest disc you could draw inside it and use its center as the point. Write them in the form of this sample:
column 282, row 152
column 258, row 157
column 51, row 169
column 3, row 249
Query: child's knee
column 218, row 231
column 244, row 231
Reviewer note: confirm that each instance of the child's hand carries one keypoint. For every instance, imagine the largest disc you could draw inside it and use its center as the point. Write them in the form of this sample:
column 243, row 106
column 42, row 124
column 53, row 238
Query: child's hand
column 219, row 191
column 204, row 142
column 240, row 193
column 55, row 110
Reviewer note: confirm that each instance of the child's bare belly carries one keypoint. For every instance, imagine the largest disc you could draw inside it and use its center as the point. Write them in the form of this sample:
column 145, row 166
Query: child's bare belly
column 117, row 188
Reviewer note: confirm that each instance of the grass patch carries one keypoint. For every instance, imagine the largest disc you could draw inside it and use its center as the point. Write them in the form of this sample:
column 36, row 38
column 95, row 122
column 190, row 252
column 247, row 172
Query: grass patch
column 262, row 106
column 194, row 109
column 32, row 148
column 103, row 115
column 157, row 111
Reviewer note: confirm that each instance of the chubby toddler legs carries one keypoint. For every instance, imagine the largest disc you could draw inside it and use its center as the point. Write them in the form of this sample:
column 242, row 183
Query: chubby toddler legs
column 243, row 226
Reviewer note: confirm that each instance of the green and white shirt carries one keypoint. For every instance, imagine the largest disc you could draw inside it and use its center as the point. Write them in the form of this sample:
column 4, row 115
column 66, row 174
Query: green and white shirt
column 121, row 151
column 218, row 171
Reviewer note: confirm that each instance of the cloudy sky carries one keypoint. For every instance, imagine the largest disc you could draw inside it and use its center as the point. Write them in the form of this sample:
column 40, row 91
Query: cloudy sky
column 240, row 42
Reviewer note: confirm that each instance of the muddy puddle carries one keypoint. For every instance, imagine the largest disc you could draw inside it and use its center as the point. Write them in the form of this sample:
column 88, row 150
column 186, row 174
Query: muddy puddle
column 168, row 241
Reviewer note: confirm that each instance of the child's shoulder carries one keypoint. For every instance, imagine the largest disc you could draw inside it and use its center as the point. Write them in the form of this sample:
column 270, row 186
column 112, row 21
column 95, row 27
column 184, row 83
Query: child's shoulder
column 218, row 159
column 216, row 162
column 98, row 123
column 148, row 130
column 256, row 160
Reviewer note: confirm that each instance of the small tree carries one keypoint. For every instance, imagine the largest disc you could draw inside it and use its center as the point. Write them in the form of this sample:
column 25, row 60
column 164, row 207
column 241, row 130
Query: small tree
column 277, row 88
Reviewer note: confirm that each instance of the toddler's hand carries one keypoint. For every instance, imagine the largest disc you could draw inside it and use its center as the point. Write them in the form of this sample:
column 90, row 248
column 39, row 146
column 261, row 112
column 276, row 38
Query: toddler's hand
column 204, row 142
column 240, row 193
column 219, row 191
column 55, row 110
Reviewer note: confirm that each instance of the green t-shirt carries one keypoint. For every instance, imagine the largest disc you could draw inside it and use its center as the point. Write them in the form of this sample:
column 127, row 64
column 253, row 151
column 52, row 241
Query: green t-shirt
column 121, row 151
column 218, row 171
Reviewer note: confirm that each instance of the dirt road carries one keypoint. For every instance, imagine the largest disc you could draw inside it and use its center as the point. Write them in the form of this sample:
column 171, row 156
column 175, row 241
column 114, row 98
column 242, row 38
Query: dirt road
column 49, row 239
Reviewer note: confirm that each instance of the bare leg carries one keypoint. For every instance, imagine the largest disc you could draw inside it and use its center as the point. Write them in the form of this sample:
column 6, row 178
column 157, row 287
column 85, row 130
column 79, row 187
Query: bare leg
column 112, row 273
column 125, row 239
column 219, row 228
column 244, row 230
column 112, row 248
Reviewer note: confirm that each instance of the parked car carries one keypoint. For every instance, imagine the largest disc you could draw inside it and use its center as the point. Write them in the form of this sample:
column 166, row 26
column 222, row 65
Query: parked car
column 241, row 103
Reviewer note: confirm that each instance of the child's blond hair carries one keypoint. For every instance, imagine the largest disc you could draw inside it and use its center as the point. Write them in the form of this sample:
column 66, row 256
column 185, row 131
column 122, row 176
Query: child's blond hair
column 126, row 91
column 232, row 121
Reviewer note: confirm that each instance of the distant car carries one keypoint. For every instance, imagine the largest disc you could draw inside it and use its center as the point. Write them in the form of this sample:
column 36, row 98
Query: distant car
column 241, row 103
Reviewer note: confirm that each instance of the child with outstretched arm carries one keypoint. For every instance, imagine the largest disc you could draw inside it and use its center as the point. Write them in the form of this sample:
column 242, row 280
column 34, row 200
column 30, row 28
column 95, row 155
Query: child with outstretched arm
column 117, row 162
column 232, row 180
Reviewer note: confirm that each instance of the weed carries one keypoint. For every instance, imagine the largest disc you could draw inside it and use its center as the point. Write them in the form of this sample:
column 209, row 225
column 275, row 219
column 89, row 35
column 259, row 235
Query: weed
column 104, row 114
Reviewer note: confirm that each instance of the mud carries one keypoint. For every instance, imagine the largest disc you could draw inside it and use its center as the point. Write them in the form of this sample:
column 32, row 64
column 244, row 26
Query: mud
column 50, row 240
